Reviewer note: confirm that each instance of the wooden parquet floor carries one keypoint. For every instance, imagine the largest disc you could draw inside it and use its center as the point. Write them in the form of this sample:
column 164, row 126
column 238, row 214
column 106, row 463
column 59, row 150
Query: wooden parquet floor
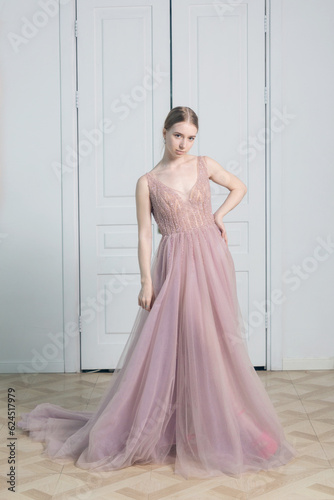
column 304, row 401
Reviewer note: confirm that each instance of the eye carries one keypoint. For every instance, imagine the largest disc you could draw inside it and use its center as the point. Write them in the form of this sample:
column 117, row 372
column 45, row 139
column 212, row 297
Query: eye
column 177, row 135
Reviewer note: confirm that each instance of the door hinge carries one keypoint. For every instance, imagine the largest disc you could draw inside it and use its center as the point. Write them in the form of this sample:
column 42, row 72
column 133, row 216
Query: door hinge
column 266, row 320
column 77, row 98
column 76, row 28
column 80, row 324
column 265, row 24
column 266, row 95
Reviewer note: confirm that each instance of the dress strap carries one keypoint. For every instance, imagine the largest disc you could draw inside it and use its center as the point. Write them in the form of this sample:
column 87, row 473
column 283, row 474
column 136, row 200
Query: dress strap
column 203, row 165
column 150, row 182
column 148, row 178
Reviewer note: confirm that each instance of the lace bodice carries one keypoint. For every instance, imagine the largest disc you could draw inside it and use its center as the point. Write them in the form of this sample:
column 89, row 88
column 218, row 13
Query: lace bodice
column 172, row 212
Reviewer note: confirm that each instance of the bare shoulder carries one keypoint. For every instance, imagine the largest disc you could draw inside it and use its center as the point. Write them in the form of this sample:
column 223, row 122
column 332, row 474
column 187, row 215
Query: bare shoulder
column 142, row 185
column 221, row 176
column 212, row 166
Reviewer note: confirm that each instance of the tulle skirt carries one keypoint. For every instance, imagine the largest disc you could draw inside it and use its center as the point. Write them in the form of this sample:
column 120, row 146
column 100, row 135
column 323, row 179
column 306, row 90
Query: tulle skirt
column 184, row 391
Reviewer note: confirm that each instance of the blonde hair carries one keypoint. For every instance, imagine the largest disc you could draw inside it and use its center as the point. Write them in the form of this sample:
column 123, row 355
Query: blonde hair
column 180, row 114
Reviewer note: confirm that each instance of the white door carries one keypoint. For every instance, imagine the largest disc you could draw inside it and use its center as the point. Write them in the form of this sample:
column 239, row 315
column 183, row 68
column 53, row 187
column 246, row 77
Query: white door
column 218, row 66
column 123, row 93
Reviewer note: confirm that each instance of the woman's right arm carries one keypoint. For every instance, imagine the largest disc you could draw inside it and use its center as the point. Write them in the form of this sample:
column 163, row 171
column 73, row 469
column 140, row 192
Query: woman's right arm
column 143, row 207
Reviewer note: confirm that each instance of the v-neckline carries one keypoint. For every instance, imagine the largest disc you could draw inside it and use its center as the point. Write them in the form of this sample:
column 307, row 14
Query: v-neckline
column 176, row 190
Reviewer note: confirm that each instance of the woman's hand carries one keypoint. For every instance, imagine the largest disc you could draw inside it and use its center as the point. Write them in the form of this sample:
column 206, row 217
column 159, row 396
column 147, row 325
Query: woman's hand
column 220, row 224
column 146, row 296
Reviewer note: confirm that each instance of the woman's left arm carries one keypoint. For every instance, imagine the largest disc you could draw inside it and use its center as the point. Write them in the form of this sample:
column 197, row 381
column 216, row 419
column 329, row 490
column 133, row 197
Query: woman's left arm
column 236, row 187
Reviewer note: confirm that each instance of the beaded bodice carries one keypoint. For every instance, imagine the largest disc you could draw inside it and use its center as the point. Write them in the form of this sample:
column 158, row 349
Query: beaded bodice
column 172, row 212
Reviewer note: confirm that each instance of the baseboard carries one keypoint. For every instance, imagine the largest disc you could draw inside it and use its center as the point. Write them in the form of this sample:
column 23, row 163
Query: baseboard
column 308, row 363
column 31, row 368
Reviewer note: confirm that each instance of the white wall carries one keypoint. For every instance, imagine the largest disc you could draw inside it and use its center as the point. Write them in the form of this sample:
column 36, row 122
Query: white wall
column 303, row 82
column 31, row 201
column 39, row 280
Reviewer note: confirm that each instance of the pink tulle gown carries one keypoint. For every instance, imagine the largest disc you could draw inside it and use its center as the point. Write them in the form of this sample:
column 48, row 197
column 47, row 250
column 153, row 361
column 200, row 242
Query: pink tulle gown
column 184, row 391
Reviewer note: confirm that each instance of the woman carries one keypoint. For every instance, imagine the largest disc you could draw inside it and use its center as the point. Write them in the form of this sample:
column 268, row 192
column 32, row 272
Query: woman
column 184, row 390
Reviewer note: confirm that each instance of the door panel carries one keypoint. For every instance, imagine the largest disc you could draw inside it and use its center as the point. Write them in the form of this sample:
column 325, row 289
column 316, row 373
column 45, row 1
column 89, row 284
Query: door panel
column 218, row 66
column 218, row 63
column 124, row 89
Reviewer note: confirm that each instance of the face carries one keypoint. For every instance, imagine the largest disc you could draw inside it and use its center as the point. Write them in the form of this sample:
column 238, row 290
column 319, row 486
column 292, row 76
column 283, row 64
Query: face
column 180, row 138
